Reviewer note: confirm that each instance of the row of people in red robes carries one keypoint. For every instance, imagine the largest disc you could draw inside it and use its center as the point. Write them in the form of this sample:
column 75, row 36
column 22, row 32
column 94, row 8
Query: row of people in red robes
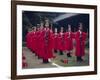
column 44, row 42
column 39, row 40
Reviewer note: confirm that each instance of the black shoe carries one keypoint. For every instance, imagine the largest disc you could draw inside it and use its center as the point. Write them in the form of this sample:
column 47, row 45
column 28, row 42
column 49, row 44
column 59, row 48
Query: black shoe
column 45, row 61
column 81, row 59
column 61, row 53
column 78, row 60
column 68, row 55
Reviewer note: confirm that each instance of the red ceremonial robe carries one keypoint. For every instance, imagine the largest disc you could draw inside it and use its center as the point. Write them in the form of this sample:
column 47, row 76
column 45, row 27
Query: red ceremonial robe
column 33, row 41
column 61, row 43
column 41, row 43
column 80, row 43
column 51, row 40
column 47, row 45
column 55, row 41
column 29, row 40
column 69, row 40
column 37, row 51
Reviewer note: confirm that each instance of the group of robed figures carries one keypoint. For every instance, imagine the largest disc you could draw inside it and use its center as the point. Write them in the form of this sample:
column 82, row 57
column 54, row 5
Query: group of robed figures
column 44, row 42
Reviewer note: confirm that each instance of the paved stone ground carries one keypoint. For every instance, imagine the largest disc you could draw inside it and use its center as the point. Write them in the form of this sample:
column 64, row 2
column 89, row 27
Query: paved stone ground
column 34, row 62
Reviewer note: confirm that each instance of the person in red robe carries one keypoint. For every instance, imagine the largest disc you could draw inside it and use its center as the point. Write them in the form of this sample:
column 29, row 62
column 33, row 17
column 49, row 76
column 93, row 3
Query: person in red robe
column 55, row 37
column 37, row 40
column 33, row 39
column 69, row 41
column 41, row 41
column 52, row 41
column 47, row 43
column 51, row 38
column 80, row 38
column 61, row 43
column 29, row 39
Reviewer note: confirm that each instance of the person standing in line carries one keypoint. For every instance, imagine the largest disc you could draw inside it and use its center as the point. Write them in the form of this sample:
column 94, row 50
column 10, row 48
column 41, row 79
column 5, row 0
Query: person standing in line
column 61, row 39
column 80, row 38
column 29, row 39
column 41, row 42
column 37, row 39
column 69, row 41
column 47, row 43
column 34, row 39
column 55, row 37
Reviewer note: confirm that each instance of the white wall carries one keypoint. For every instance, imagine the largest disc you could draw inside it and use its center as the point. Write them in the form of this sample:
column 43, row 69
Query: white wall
column 5, row 32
